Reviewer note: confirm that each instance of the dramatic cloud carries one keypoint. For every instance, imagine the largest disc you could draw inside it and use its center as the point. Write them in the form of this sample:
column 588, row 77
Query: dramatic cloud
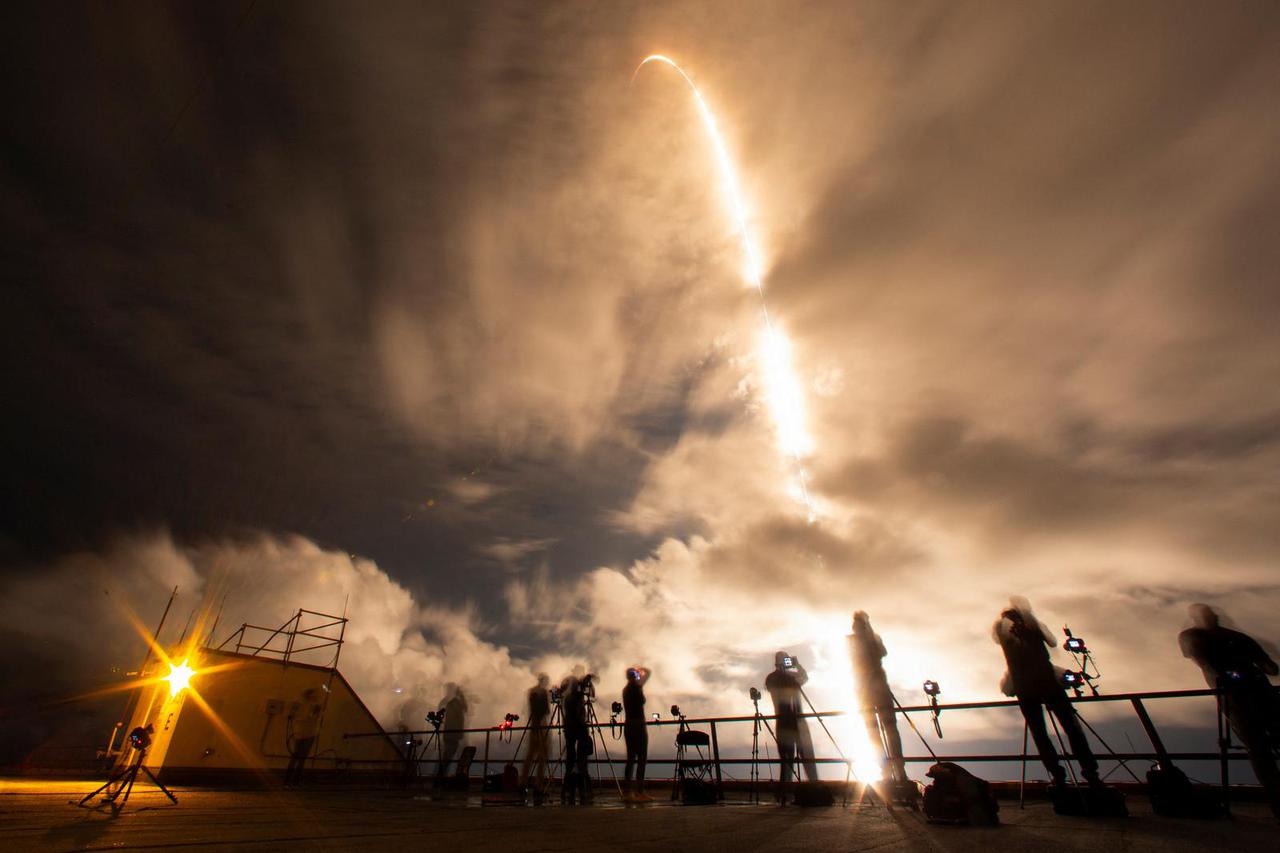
column 445, row 289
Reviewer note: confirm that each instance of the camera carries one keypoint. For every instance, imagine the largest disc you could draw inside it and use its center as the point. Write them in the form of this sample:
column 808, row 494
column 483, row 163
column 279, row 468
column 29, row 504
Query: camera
column 754, row 694
column 1074, row 680
column 615, row 708
column 1076, row 645
column 656, row 716
column 140, row 738
column 588, row 686
column 556, row 695
column 933, row 690
column 788, row 662
column 435, row 718
column 675, row 711
column 508, row 722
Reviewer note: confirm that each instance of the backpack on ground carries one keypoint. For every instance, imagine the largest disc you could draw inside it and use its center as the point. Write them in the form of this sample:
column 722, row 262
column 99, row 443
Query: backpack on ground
column 957, row 796
column 1173, row 794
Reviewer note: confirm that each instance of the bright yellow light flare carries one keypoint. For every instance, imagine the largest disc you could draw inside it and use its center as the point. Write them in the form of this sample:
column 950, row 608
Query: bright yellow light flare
column 783, row 391
column 179, row 677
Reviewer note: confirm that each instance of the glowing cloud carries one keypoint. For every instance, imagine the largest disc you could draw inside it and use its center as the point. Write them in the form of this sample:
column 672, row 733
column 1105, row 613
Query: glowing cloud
column 782, row 389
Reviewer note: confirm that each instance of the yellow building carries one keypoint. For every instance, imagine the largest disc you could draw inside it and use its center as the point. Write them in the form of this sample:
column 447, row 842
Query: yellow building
column 235, row 723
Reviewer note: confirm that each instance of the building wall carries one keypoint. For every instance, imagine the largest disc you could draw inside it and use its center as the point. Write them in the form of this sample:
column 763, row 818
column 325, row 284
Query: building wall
column 246, row 733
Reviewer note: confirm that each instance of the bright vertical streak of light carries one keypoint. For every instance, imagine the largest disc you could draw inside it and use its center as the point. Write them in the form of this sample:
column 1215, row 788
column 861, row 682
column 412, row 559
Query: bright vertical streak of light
column 786, row 399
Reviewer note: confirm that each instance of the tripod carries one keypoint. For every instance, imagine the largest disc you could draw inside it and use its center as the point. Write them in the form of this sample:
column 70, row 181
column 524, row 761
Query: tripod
column 421, row 748
column 552, row 724
column 758, row 720
column 595, row 730
column 123, row 779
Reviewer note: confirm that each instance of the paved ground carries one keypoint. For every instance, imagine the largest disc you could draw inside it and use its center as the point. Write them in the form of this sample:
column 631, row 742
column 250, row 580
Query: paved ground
column 38, row 816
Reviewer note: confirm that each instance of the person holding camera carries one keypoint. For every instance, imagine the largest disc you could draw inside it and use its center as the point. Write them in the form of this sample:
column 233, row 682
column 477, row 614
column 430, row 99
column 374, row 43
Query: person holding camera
column 535, row 756
column 875, row 699
column 635, row 730
column 784, row 686
column 577, row 691
column 1234, row 663
column 1031, row 677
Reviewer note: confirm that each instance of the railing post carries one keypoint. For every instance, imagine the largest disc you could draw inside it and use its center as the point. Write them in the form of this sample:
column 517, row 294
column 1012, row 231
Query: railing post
column 715, row 752
column 288, row 647
column 484, row 765
column 1224, row 744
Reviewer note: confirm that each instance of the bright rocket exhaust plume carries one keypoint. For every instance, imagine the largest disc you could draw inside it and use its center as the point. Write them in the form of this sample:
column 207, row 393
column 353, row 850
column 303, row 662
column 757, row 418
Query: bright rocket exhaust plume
column 786, row 407
column 782, row 389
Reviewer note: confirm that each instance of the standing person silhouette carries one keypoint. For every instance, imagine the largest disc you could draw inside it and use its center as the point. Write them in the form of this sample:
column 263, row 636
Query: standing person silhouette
column 634, row 729
column 455, row 719
column 784, row 685
column 1025, row 641
column 535, row 756
column 1234, row 663
column 576, row 690
column 875, row 699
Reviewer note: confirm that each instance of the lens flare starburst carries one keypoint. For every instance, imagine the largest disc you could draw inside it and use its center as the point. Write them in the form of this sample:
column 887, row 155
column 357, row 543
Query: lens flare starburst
column 179, row 676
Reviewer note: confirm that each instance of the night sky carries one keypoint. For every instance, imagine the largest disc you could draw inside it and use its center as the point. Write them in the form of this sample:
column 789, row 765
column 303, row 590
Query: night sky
column 428, row 307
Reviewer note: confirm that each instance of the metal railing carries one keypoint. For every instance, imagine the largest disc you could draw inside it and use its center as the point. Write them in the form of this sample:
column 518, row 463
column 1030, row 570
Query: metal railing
column 416, row 743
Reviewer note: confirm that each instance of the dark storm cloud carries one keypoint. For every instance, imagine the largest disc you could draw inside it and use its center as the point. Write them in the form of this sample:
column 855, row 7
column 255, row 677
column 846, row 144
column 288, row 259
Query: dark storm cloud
column 434, row 285
column 225, row 228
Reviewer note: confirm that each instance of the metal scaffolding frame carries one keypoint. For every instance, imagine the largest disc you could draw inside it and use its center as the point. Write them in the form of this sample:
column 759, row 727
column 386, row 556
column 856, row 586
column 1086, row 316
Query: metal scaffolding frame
column 283, row 642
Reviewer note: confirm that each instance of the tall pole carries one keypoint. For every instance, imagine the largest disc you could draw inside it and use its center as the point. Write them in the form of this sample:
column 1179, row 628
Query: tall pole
column 132, row 701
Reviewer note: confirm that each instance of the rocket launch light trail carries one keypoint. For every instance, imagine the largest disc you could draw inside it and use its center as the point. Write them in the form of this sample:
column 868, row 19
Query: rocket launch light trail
column 783, row 390
column 786, row 406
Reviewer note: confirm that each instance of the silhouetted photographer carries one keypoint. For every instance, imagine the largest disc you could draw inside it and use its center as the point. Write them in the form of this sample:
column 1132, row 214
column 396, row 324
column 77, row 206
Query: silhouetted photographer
column 1025, row 641
column 792, row 732
column 634, row 729
column 577, row 690
column 538, row 733
column 1234, row 663
column 455, row 719
column 875, row 699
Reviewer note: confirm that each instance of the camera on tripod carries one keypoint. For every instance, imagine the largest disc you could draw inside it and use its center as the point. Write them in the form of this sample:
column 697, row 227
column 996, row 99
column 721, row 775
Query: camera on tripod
column 435, row 718
column 588, row 686
column 933, row 690
column 1077, row 681
column 754, row 694
column 556, row 695
column 1083, row 658
column 140, row 738
column 506, row 727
